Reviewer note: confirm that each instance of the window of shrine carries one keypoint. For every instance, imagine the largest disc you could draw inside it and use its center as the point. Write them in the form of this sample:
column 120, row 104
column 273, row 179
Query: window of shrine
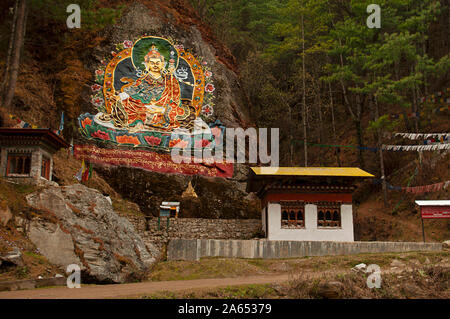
column 18, row 164
column 45, row 168
column 329, row 215
column 293, row 215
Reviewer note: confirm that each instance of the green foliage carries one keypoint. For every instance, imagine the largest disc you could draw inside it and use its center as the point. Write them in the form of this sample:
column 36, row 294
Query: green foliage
column 22, row 272
column 383, row 123
column 40, row 259
column 242, row 24
column 390, row 64
column 93, row 15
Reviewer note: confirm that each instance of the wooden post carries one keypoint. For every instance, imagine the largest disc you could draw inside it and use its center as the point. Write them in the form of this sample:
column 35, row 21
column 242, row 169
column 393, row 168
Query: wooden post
column 383, row 177
column 267, row 220
column 380, row 153
column 8, row 56
column 168, row 222
column 336, row 149
column 159, row 222
column 423, row 228
column 19, row 35
column 305, row 139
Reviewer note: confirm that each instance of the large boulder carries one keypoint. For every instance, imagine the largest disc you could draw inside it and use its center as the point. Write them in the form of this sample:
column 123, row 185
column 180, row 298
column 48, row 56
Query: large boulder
column 77, row 225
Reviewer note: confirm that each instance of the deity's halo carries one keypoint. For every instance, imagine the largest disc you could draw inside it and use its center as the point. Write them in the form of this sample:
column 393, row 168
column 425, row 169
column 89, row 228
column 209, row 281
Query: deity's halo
column 143, row 45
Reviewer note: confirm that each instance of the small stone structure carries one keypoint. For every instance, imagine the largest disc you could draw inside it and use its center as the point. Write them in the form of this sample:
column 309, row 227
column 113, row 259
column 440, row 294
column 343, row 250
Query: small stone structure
column 27, row 154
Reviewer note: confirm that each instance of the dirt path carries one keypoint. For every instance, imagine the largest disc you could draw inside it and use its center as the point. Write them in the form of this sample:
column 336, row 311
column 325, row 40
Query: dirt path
column 129, row 290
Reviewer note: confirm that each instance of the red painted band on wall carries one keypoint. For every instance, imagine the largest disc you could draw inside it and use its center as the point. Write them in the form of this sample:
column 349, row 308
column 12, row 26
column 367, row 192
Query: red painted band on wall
column 432, row 212
column 150, row 161
column 312, row 197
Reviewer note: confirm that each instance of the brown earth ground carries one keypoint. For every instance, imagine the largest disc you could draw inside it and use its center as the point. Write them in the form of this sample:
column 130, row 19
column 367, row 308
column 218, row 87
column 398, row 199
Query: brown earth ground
column 405, row 275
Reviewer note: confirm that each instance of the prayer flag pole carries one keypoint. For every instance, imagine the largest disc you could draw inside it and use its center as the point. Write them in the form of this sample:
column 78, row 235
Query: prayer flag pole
column 423, row 227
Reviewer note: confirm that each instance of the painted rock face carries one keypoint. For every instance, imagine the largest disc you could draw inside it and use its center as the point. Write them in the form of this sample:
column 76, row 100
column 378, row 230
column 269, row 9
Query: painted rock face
column 147, row 88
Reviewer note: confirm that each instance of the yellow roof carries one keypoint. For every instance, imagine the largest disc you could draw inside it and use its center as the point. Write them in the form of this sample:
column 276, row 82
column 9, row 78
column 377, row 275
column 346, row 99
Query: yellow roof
column 311, row 171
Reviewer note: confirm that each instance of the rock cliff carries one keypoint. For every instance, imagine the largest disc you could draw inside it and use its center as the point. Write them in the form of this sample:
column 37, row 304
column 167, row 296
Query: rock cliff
column 217, row 197
column 177, row 20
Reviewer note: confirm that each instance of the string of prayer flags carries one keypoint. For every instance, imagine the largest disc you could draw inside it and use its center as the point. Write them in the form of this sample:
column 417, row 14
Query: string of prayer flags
column 428, row 146
column 79, row 175
column 410, row 115
column 20, row 123
column 436, row 97
column 71, row 147
column 366, row 148
column 416, row 189
column 418, row 148
column 84, row 174
column 61, row 125
column 427, row 188
column 441, row 109
column 436, row 141
column 87, row 174
column 420, row 136
column 389, row 186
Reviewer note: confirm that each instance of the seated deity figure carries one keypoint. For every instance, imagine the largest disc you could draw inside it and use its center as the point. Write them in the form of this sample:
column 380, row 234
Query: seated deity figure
column 153, row 100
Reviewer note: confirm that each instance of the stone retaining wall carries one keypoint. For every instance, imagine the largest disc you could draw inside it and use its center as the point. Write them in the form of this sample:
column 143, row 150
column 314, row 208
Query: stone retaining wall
column 188, row 249
column 192, row 228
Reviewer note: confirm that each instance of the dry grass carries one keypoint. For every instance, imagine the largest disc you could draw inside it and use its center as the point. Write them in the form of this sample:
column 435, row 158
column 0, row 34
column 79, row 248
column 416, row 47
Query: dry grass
column 205, row 268
column 125, row 207
column 231, row 292
column 65, row 167
column 228, row 267
column 34, row 264
column 13, row 195
column 431, row 282
column 428, row 282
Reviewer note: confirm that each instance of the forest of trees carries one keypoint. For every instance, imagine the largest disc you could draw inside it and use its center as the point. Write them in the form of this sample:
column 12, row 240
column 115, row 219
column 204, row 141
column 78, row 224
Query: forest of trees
column 35, row 30
column 312, row 67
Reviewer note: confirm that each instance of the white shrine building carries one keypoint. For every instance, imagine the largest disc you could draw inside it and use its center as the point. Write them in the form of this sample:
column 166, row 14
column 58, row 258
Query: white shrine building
column 306, row 203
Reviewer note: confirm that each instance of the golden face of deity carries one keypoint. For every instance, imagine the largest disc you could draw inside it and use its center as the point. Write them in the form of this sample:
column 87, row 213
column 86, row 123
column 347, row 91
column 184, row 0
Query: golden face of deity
column 155, row 65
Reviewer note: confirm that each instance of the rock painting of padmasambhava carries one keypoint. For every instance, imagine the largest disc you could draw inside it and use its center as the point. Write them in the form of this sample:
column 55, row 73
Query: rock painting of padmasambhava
column 146, row 91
